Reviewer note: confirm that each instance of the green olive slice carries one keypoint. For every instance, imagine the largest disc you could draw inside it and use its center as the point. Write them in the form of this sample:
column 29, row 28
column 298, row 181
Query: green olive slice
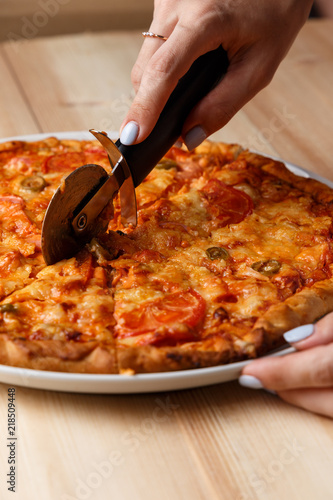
column 166, row 164
column 8, row 308
column 33, row 183
column 217, row 253
column 267, row 267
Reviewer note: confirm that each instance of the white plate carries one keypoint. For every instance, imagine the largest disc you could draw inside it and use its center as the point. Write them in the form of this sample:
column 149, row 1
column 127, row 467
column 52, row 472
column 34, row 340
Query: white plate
column 123, row 384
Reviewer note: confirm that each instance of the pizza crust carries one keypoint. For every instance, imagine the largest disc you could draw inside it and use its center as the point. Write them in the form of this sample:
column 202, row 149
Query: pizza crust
column 213, row 352
column 305, row 307
column 150, row 359
column 54, row 355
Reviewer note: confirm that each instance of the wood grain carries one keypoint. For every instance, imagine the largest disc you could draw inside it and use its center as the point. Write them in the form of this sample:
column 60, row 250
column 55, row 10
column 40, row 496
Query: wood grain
column 17, row 116
column 219, row 442
column 299, row 99
column 56, row 17
column 76, row 82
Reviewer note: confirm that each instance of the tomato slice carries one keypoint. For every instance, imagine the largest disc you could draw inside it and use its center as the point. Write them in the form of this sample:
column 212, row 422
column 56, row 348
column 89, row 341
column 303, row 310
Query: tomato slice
column 164, row 318
column 9, row 262
column 225, row 203
column 177, row 154
column 26, row 163
column 13, row 217
column 64, row 162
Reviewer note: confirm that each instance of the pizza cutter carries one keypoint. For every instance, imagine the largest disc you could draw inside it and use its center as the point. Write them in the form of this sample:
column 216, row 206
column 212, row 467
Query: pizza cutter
column 73, row 217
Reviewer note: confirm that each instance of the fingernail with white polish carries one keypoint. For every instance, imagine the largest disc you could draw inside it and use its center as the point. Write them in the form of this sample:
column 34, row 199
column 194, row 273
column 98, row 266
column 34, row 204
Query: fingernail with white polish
column 129, row 133
column 194, row 137
column 299, row 333
column 250, row 382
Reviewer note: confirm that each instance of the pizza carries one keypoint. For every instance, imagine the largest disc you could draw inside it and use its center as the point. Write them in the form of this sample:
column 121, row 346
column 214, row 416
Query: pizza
column 231, row 250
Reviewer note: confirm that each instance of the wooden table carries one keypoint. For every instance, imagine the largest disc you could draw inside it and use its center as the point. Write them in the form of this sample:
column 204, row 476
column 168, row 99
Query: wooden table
column 219, row 442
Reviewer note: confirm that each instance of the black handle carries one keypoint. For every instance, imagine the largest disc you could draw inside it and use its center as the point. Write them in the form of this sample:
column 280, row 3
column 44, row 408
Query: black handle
column 203, row 75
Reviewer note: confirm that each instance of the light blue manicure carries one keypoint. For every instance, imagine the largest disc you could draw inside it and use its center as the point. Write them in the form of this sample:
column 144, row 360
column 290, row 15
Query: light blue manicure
column 250, row 382
column 299, row 333
column 194, row 137
column 253, row 383
column 129, row 133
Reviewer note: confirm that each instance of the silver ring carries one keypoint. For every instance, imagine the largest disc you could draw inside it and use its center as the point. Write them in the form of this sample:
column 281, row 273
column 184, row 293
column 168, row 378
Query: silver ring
column 153, row 35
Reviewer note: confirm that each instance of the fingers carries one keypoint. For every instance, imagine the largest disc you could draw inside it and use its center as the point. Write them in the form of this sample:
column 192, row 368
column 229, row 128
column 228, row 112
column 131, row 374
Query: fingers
column 304, row 378
column 243, row 80
column 245, row 77
column 163, row 27
column 316, row 400
column 312, row 366
column 192, row 30
column 307, row 336
column 148, row 49
column 132, row 134
column 250, row 34
column 306, row 369
column 157, row 81
column 218, row 107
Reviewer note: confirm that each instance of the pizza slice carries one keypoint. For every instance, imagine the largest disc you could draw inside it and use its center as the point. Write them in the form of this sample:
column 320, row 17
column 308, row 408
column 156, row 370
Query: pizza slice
column 62, row 321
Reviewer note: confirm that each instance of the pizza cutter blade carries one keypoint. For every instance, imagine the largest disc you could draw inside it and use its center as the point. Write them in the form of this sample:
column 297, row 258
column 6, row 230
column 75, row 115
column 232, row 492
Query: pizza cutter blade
column 75, row 214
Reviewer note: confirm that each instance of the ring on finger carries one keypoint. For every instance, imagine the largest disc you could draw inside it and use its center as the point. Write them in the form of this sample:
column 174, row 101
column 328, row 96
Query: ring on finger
column 153, row 35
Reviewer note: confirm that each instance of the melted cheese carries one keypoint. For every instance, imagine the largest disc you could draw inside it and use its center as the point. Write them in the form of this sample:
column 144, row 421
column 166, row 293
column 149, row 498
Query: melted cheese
column 165, row 257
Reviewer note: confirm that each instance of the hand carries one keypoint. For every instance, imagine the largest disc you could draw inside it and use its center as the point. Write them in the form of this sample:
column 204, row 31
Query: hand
column 256, row 36
column 303, row 378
